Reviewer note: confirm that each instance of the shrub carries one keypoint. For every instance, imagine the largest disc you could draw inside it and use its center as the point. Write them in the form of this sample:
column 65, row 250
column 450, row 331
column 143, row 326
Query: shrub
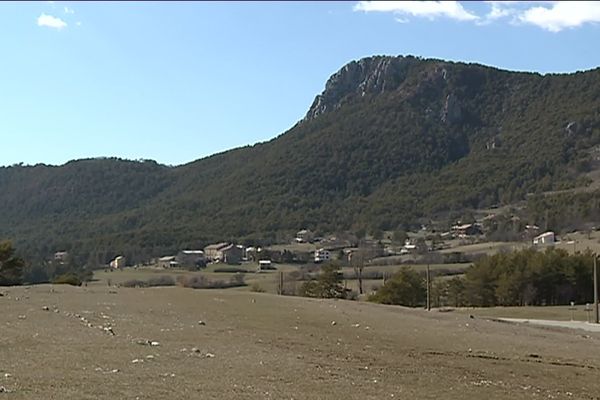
column 327, row 285
column 67, row 279
column 134, row 283
column 405, row 288
column 164, row 280
column 201, row 282
column 255, row 287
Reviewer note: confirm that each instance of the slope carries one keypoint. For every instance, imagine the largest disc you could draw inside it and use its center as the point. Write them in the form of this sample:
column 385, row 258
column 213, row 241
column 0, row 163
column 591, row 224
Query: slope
column 390, row 141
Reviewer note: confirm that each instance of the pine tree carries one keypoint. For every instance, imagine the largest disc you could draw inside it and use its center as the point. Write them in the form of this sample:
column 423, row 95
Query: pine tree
column 11, row 267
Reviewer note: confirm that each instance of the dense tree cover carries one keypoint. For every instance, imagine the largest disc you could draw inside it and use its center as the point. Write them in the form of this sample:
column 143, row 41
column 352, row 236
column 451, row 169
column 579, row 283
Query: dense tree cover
column 526, row 277
column 406, row 287
column 379, row 161
column 11, row 267
column 565, row 211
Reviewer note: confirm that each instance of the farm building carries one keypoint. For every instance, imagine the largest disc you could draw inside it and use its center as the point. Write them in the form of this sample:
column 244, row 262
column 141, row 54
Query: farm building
column 544, row 238
column 191, row 259
column 466, row 230
column 304, row 236
column 231, row 254
column 214, row 252
column 322, row 255
column 265, row 265
column 168, row 262
column 118, row 262
column 61, row 256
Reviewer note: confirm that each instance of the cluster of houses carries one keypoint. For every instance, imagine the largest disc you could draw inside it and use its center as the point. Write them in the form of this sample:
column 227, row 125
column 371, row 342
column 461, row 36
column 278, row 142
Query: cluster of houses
column 339, row 247
column 224, row 252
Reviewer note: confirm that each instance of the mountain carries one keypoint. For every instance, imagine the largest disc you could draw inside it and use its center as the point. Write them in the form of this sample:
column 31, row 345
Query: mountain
column 390, row 142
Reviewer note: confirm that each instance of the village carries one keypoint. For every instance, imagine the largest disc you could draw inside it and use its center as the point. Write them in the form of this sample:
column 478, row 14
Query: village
column 463, row 243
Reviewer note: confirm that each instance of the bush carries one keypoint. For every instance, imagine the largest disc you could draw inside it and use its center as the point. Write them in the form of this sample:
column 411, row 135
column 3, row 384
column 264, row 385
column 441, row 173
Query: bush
column 164, row 280
column 327, row 285
column 201, row 282
column 134, row 283
column 406, row 288
column 67, row 279
column 256, row 288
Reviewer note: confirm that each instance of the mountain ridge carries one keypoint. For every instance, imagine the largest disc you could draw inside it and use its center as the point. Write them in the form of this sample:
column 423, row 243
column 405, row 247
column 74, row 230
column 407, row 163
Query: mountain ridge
column 389, row 142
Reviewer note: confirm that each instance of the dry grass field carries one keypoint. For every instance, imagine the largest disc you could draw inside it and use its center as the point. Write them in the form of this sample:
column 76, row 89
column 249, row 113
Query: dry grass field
column 262, row 346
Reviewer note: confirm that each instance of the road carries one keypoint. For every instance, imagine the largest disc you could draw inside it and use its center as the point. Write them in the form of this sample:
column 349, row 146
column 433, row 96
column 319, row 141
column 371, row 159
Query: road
column 590, row 327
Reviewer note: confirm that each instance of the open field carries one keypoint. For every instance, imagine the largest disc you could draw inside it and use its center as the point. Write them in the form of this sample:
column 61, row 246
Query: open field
column 582, row 241
column 266, row 280
column 486, row 247
column 261, row 346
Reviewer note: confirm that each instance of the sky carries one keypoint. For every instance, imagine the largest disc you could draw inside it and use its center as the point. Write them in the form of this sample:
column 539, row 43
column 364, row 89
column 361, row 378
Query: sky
column 178, row 81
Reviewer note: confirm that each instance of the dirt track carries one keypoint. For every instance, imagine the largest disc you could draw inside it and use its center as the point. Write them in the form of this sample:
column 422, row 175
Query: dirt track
column 259, row 346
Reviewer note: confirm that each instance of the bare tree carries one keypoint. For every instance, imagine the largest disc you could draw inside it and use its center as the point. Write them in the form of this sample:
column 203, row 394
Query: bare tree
column 357, row 259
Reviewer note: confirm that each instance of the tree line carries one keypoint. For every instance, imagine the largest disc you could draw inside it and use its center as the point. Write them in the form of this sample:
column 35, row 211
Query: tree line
column 14, row 270
column 520, row 278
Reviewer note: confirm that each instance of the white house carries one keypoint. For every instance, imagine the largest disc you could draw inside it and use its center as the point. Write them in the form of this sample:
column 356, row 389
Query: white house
column 118, row 263
column 168, row 262
column 322, row 255
column 304, row 236
column 544, row 238
column 265, row 265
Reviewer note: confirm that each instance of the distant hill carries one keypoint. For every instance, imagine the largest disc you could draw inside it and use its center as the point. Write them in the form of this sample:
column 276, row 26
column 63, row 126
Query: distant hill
column 391, row 142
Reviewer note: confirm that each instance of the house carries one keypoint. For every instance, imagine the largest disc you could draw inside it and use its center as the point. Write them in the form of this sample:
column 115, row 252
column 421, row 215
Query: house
column 409, row 247
column 231, row 254
column 118, row 262
column 191, row 259
column 265, row 265
column 214, row 252
column 544, row 238
column 168, row 262
column 61, row 257
column 322, row 255
column 466, row 230
column 304, row 236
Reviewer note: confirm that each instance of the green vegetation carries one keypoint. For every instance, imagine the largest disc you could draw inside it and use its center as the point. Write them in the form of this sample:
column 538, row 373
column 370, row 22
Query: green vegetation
column 68, row 278
column 525, row 277
column 406, row 287
column 443, row 137
column 520, row 278
column 11, row 267
column 328, row 284
column 163, row 280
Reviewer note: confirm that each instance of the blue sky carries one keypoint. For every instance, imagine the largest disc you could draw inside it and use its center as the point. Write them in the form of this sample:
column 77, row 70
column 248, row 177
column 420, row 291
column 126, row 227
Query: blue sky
column 175, row 82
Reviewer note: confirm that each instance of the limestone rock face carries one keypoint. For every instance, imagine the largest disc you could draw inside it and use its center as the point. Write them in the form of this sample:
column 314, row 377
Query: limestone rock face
column 452, row 112
column 370, row 75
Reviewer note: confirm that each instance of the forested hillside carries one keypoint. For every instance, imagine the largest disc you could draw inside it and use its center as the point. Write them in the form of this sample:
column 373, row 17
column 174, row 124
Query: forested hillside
column 390, row 141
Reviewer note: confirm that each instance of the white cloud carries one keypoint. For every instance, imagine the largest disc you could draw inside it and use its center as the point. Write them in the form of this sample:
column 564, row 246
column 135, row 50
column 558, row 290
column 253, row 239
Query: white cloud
column 562, row 14
column 51, row 22
column 69, row 10
column 427, row 9
column 553, row 16
column 500, row 9
column 78, row 23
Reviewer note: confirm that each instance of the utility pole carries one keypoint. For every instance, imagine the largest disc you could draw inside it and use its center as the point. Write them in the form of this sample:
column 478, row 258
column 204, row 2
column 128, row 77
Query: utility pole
column 280, row 283
column 428, row 290
column 595, row 289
